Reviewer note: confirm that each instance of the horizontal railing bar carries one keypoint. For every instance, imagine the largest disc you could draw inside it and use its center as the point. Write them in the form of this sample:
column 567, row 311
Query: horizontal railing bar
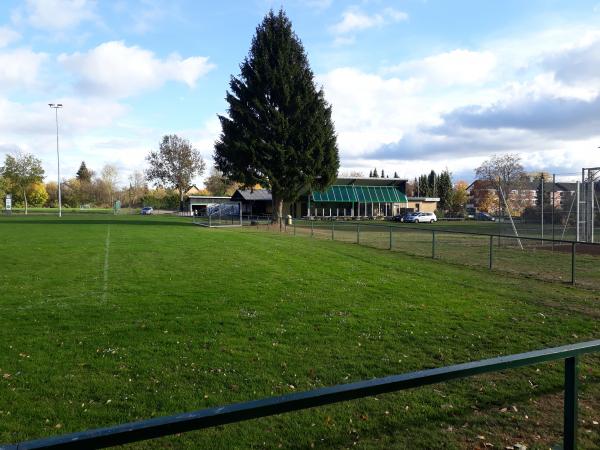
column 469, row 233
column 163, row 426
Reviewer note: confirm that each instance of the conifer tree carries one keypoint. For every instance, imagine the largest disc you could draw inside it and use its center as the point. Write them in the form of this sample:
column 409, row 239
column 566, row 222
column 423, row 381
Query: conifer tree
column 444, row 189
column 396, row 175
column 375, row 174
column 84, row 174
column 278, row 132
column 382, row 174
column 423, row 186
column 432, row 181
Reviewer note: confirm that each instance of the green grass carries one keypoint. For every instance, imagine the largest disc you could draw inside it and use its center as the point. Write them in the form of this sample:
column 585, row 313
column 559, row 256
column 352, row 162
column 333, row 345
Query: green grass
column 191, row 317
column 49, row 211
column 536, row 259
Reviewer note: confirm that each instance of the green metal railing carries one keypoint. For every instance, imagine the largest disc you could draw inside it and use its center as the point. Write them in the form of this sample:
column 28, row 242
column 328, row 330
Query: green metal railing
column 206, row 418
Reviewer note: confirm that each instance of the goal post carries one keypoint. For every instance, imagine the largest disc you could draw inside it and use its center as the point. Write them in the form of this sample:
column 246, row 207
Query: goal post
column 223, row 214
column 587, row 203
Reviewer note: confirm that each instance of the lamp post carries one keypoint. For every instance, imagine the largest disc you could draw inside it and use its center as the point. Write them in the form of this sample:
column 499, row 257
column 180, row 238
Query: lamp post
column 56, row 106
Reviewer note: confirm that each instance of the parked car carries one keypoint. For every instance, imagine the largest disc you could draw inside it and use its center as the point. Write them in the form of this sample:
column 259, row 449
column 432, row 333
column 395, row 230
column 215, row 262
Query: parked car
column 402, row 217
column 411, row 217
column 484, row 216
column 147, row 211
column 425, row 217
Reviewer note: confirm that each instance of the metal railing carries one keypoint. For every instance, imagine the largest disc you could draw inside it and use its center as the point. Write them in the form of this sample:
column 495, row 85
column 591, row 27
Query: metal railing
column 206, row 418
column 329, row 228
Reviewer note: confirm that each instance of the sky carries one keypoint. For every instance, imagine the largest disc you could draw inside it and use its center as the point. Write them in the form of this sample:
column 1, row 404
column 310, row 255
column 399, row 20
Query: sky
column 414, row 85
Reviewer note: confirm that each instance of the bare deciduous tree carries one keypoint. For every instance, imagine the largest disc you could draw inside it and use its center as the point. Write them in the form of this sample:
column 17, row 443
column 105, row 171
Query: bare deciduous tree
column 506, row 174
column 137, row 186
column 110, row 178
column 175, row 164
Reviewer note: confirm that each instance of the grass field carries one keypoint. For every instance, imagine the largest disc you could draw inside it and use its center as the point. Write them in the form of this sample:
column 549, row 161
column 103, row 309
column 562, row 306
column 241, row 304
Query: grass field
column 67, row 211
column 537, row 259
column 110, row 319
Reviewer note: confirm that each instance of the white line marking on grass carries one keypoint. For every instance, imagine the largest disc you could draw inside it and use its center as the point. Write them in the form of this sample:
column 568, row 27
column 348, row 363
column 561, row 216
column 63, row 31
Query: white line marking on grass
column 106, row 252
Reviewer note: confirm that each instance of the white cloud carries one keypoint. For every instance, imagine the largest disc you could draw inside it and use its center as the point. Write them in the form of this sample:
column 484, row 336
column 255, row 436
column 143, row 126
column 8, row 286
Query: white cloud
column 578, row 63
column 8, row 36
column 458, row 66
column 369, row 110
column 57, row 15
column 117, row 70
column 20, row 68
column 82, row 123
column 21, row 121
column 538, row 95
column 353, row 20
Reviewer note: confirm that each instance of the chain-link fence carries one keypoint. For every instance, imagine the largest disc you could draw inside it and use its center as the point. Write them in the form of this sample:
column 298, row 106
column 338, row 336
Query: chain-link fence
column 219, row 215
column 555, row 260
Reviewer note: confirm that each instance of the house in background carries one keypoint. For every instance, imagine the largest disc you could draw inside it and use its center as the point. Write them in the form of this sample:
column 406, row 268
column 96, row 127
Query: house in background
column 255, row 202
column 483, row 195
column 422, row 204
column 348, row 198
column 193, row 190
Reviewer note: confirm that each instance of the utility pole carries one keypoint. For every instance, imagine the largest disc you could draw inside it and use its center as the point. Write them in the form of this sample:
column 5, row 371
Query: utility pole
column 56, row 106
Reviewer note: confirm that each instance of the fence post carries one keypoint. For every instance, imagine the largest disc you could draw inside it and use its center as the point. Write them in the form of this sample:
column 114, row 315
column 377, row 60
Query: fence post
column 570, row 404
column 491, row 252
column 332, row 230
column 391, row 237
column 312, row 228
column 573, row 244
column 358, row 233
column 433, row 244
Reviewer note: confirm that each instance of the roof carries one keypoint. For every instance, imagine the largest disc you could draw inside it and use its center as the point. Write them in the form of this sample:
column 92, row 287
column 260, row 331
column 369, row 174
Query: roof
column 368, row 181
column 205, row 197
column 423, row 199
column 252, row 195
column 362, row 194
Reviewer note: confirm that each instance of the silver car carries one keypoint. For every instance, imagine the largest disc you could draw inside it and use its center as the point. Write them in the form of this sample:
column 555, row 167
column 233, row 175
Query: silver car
column 426, row 217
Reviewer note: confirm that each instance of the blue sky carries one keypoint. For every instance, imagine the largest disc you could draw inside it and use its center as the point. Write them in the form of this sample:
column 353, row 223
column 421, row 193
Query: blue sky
column 415, row 85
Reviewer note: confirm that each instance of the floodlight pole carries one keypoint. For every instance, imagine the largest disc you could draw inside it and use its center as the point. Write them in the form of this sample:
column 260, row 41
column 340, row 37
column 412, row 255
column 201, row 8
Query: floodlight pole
column 56, row 106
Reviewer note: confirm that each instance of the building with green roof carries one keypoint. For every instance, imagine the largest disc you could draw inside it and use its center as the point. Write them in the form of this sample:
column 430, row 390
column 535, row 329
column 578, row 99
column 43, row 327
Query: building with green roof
column 355, row 197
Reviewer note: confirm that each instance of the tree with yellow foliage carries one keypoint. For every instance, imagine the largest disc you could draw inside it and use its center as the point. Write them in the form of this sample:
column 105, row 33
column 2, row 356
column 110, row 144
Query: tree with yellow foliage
column 458, row 199
column 37, row 195
column 489, row 202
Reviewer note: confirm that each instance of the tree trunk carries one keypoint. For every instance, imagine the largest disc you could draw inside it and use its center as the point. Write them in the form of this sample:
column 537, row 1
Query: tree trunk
column 180, row 200
column 25, row 197
column 277, row 210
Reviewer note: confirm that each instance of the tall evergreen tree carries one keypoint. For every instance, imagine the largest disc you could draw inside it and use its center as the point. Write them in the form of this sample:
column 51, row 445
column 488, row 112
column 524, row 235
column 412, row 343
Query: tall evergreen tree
column 370, row 174
column 382, row 174
column 84, row 174
column 432, row 184
column 279, row 131
column 396, row 175
column 423, row 186
column 444, row 189
column 375, row 174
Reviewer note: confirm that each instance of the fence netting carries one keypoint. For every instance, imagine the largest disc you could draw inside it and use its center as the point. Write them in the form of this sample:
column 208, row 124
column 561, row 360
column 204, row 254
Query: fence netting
column 545, row 259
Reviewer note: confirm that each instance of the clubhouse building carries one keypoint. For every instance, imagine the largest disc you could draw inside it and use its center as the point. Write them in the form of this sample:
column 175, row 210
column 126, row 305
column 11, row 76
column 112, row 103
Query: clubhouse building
column 346, row 198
